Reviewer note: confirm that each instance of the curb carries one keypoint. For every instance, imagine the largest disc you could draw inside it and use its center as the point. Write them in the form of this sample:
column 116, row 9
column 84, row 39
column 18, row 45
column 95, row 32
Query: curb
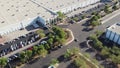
column 71, row 33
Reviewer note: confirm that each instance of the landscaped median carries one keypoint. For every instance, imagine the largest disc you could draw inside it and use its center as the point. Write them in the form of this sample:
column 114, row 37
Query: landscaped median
column 70, row 36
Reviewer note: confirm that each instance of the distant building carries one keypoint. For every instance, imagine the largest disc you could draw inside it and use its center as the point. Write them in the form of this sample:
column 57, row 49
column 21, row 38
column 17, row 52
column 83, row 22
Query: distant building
column 113, row 33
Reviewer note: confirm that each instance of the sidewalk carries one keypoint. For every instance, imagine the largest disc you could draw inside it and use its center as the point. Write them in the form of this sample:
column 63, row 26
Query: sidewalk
column 110, row 16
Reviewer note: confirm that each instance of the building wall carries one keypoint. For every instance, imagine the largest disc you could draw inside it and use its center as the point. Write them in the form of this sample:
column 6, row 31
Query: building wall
column 116, row 38
column 113, row 36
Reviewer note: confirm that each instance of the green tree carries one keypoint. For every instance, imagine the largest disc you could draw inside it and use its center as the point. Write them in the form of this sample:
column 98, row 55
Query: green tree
column 72, row 53
column 50, row 35
column 94, row 23
column 94, row 18
column 98, row 33
column 50, row 41
column 54, row 61
column 61, row 16
column 93, row 37
column 59, row 31
column 35, row 48
column 42, row 51
column 115, row 7
column 98, row 15
column 67, row 54
column 115, row 50
column 3, row 62
column 28, row 54
column 75, row 19
column 94, row 13
column 41, row 46
column 83, row 16
column 41, row 33
column 98, row 45
column 46, row 46
column 106, row 9
column 23, row 57
column 80, row 63
column 115, row 59
column 105, row 52
column 75, row 51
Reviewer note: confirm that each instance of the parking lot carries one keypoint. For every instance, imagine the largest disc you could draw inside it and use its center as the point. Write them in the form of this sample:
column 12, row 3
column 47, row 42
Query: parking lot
column 11, row 48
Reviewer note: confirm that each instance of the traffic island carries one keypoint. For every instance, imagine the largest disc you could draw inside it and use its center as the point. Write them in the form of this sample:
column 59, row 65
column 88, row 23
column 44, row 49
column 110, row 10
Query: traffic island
column 70, row 36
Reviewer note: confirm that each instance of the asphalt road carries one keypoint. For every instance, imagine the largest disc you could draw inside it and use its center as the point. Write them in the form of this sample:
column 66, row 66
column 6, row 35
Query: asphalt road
column 80, row 35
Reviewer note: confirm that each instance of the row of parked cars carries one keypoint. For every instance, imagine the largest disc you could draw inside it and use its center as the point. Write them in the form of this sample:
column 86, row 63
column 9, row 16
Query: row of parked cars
column 18, row 43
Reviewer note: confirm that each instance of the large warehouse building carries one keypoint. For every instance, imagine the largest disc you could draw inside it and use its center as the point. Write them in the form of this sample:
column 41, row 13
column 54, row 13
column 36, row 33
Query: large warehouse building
column 113, row 33
column 17, row 14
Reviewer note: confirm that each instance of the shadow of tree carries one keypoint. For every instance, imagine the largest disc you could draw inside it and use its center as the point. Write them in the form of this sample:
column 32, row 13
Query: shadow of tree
column 71, row 65
column 61, row 58
column 108, row 64
column 45, row 66
column 83, row 44
column 90, row 50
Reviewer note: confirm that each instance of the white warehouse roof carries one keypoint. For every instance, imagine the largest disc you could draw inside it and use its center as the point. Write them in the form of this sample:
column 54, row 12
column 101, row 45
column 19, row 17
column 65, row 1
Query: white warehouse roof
column 15, row 11
column 115, row 28
column 57, row 5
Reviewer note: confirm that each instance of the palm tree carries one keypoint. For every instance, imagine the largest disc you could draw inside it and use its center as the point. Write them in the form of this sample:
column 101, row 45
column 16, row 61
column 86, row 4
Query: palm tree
column 3, row 62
